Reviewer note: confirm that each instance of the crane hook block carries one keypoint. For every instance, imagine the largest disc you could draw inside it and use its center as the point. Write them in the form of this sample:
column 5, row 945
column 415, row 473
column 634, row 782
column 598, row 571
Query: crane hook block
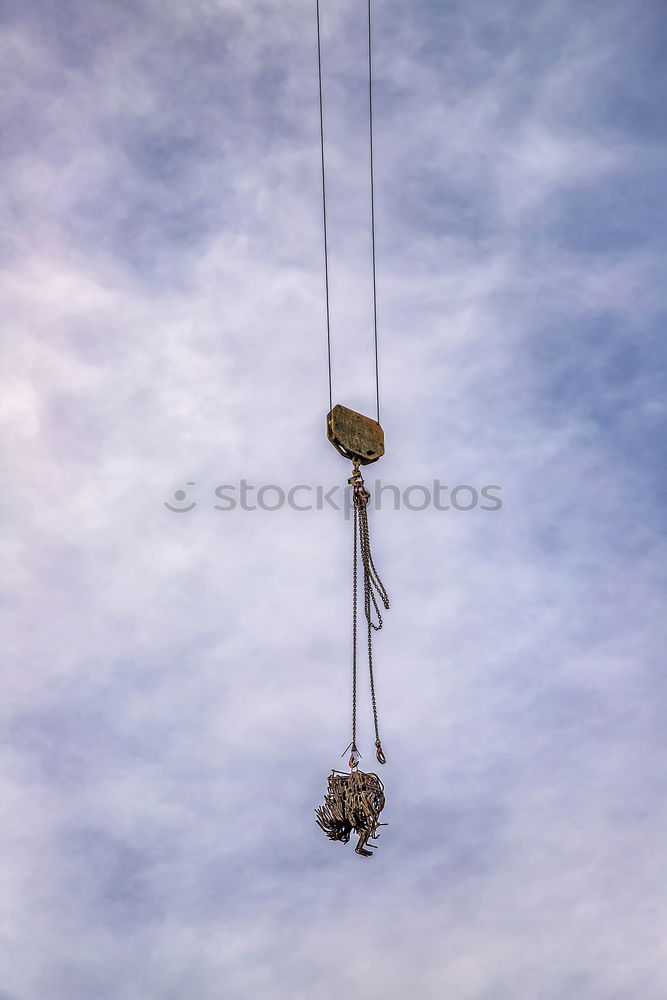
column 355, row 436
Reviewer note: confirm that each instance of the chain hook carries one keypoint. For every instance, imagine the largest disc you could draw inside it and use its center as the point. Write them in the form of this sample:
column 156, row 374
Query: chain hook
column 355, row 756
column 356, row 474
column 360, row 494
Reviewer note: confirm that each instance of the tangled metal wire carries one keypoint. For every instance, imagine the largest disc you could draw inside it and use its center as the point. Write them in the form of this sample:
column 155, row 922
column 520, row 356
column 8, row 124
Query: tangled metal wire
column 353, row 802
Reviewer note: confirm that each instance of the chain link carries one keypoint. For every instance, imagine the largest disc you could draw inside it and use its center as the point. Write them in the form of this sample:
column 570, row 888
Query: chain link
column 373, row 589
column 354, row 753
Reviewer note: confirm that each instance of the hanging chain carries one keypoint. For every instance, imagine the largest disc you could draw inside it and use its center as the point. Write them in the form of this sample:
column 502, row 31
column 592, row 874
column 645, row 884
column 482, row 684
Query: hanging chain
column 373, row 589
column 354, row 753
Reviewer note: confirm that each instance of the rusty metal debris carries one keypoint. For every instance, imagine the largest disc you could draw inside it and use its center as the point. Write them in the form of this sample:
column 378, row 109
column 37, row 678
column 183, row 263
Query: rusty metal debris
column 352, row 803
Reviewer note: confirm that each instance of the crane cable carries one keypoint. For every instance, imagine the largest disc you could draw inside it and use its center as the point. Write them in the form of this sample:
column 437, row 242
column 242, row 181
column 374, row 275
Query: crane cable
column 324, row 203
column 372, row 206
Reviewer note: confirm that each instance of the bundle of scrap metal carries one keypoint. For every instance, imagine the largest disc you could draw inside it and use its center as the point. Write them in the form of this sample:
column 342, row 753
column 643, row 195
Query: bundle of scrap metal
column 353, row 802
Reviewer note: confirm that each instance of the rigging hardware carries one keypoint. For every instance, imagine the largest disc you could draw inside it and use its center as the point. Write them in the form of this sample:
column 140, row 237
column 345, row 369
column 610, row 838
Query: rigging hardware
column 355, row 436
column 354, row 801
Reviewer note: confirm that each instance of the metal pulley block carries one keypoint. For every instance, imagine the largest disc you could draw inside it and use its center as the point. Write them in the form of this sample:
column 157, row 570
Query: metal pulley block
column 359, row 438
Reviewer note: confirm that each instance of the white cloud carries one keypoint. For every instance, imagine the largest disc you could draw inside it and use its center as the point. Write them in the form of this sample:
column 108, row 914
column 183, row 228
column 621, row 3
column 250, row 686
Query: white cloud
column 177, row 685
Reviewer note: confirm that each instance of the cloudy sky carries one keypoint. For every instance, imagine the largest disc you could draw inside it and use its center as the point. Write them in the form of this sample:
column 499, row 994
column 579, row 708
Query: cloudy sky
column 177, row 684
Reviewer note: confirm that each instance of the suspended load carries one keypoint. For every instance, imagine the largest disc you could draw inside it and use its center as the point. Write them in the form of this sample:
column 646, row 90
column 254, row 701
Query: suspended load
column 354, row 801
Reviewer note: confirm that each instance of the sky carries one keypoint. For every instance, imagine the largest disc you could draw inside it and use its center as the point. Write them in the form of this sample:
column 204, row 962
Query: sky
column 176, row 683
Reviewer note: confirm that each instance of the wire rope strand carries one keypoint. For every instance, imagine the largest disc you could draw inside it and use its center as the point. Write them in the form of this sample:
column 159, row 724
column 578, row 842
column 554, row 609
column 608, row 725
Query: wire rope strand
column 324, row 205
column 372, row 182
